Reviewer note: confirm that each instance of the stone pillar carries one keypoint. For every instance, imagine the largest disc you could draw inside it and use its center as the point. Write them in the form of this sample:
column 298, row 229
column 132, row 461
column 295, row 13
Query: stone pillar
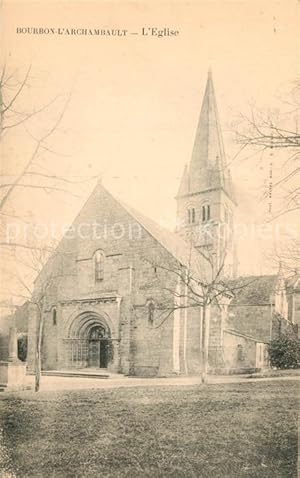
column 13, row 372
column 12, row 345
column 115, row 364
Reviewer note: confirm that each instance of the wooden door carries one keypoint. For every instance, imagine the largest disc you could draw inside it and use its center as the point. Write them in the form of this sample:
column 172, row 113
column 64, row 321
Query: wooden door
column 94, row 353
column 103, row 353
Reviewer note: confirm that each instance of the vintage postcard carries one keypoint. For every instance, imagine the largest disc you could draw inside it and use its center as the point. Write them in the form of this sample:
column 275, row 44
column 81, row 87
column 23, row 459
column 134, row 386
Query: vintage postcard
column 150, row 238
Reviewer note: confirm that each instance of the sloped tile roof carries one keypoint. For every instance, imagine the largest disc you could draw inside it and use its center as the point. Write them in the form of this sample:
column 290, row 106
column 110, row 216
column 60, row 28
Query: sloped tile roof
column 174, row 244
column 253, row 290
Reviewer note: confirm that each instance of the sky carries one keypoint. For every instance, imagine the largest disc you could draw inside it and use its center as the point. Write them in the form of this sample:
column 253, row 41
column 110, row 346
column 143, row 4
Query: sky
column 134, row 100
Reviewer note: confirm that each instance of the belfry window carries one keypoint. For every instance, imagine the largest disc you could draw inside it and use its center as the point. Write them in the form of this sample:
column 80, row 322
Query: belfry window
column 191, row 215
column 99, row 266
column 54, row 316
column 205, row 213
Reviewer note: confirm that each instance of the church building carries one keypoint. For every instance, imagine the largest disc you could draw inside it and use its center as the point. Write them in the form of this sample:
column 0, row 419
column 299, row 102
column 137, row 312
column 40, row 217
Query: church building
column 113, row 295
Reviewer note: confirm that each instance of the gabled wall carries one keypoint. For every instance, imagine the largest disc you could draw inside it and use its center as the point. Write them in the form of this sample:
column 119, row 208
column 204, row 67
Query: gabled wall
column 70, row 286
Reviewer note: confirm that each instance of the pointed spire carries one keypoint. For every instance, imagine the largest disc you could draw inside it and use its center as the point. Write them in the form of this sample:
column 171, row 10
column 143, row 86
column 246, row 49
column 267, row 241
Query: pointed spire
column 208, row 164
column 184, row 183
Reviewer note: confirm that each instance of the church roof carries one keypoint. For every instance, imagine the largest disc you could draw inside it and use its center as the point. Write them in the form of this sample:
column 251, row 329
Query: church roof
column 185, row 182
column 207, row 169
column 247, row 290
column 181, row 250
column 293, row 282
column 253, row 290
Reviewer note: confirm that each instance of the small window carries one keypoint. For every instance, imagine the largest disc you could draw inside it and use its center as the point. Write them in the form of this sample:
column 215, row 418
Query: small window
column 54, row 316
column 240, row 353
column 151, row 309
column 99, row 266
column 208, row 212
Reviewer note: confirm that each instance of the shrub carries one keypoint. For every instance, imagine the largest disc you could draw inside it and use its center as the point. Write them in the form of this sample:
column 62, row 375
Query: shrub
column 284, row 352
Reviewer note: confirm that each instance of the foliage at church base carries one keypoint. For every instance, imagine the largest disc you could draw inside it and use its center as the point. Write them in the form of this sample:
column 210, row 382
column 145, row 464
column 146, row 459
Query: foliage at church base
column 284, row 352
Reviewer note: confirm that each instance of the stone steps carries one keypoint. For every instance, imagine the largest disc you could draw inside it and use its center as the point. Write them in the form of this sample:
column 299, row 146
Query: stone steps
column 76, row 373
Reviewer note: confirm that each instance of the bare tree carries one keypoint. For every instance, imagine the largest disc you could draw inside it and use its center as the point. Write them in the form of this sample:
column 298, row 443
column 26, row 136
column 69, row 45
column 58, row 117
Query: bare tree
column 200, row 283
column 286, row 258
column 38, row 126
column 273, row 137
column 32, row 175
column 23, row 258
column 278, row 134
column 12, row 117
column 37, row 263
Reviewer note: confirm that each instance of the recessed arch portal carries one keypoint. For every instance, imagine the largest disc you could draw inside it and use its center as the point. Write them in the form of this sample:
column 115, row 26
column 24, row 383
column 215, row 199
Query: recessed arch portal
column 82, row 323
column 88, row 342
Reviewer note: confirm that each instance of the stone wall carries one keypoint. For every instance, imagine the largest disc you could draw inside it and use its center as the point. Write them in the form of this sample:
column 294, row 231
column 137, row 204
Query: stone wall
column 129, row 274
column 293, row 298
column 282, row 326
column 3, row 345
column 238, row 352
column 254, row 320
column 134, row 276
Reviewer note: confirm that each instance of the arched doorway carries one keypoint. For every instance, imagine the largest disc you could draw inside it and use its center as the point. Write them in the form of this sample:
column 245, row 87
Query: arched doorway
column 99, row 346
column 89, row 342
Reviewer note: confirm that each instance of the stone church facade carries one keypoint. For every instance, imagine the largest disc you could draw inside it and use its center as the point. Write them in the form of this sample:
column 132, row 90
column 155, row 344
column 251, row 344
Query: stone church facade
column 109, row 294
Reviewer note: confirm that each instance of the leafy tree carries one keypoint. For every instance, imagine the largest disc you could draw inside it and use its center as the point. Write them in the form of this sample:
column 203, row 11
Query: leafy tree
column 284, row 352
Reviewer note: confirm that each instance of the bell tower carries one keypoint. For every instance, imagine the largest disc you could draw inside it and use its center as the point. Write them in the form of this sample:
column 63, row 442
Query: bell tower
column 205, row 199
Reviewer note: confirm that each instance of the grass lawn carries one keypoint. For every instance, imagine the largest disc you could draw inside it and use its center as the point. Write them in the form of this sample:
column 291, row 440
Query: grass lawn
column 231, row 430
